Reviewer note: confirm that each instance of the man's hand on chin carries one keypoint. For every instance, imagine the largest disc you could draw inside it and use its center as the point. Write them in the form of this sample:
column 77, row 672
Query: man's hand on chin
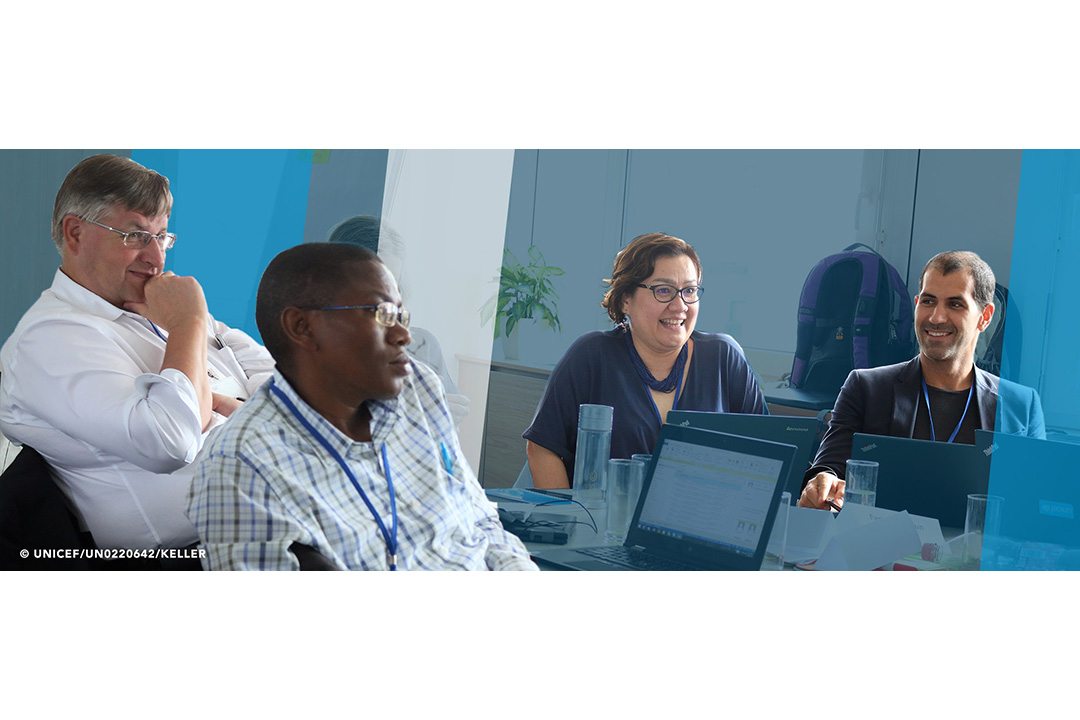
column 171, row 301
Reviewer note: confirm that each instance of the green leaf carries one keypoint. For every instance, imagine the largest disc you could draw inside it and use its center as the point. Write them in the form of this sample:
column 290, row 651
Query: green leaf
column 524, row 292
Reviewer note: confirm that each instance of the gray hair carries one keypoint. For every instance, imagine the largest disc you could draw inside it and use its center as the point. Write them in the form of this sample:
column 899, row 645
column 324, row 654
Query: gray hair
column 102, row 182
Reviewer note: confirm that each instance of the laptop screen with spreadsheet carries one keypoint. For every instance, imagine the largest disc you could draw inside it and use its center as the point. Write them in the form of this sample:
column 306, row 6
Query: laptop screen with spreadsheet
column 709, row 495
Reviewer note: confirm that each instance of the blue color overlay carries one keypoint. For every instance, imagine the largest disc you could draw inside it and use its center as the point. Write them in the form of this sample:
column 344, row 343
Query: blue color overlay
column 1036, row 479
column 234, row 211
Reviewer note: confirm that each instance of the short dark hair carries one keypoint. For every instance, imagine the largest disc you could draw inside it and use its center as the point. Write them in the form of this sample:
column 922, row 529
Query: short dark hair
column 636, row 262
column 309, row 275
column 102, row 182
column 949, row 262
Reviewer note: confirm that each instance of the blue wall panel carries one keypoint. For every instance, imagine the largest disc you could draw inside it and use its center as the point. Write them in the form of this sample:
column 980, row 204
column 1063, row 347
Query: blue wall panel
column 233, row 211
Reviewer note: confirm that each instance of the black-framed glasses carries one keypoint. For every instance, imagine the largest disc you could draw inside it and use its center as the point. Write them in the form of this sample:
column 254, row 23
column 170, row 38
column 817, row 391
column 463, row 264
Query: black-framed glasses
column 140, row 238
column 666, row 293
column 386, row 313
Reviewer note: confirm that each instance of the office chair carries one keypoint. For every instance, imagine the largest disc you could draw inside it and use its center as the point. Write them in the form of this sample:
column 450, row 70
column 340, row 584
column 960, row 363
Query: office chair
column 310, row 558
column 34, row 516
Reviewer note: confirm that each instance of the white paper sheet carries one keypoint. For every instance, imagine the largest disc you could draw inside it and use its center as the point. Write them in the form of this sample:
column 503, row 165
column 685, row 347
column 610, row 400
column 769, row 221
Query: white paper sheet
column 808, row 532
column 866, row 546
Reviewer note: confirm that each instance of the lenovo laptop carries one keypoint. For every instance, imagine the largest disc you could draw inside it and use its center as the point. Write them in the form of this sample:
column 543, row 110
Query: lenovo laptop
column 927, row 478
column 708, row 503
column 802, row 432
column 1038, row 482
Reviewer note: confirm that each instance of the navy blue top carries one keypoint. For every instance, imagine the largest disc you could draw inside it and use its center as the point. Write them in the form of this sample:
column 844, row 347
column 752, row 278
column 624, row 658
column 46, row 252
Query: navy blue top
column 597, row 369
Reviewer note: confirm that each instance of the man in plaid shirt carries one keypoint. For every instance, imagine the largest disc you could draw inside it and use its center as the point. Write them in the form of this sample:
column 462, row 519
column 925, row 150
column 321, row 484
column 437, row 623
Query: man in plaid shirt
column 349, row 454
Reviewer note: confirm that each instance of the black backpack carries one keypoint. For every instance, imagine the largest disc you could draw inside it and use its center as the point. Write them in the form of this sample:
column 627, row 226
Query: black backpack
column 990, row 350
column 854, row 312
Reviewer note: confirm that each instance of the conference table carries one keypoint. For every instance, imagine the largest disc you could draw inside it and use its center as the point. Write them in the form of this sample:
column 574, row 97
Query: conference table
column 587, row 527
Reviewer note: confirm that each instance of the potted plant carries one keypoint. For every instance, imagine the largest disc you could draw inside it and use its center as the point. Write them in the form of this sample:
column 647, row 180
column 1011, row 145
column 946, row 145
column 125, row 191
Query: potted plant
column 525, row 293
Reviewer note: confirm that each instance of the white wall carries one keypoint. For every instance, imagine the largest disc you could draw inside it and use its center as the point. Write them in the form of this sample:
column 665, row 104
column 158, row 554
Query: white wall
column 966, row 201
column 450, row 207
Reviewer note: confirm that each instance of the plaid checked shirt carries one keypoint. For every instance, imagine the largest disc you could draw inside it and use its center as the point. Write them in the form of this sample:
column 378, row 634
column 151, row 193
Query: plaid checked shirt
column 266, row 483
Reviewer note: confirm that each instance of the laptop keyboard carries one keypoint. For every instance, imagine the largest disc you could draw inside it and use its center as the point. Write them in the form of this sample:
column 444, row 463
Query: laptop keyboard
column 632, row 557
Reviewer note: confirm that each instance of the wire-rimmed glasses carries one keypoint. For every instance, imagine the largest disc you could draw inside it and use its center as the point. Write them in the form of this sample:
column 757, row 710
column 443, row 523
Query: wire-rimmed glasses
column 386, row 313
column 140, row 238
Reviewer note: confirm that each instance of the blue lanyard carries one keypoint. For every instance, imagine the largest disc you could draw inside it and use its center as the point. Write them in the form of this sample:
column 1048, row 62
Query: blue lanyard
column 926, row 395
column 157, row 332
column 389, row 537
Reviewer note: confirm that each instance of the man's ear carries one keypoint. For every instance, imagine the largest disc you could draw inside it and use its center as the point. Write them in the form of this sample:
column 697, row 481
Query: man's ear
column 72, row 227
column 986, row 316
column 294, row 323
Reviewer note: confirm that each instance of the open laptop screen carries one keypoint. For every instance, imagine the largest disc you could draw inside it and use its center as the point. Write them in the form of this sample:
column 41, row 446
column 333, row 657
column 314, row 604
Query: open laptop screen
column 802, row 432
column 709, row 494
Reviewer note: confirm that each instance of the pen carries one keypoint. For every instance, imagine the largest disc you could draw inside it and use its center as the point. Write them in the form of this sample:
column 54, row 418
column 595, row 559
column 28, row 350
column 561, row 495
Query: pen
column 833, row 505
column 446, row 460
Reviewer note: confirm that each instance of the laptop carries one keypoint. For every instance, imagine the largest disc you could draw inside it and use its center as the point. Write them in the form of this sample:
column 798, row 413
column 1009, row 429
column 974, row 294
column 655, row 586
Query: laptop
column 802, row 432
column 1038, row 481
column 927, row 478
column 708, row 503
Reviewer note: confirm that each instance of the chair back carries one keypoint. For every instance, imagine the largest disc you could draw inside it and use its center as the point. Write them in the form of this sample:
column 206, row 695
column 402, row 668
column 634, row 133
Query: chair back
column 34, row 517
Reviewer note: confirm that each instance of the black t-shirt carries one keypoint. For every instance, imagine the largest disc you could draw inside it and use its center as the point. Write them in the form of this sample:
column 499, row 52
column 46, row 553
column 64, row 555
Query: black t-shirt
column 947, row 407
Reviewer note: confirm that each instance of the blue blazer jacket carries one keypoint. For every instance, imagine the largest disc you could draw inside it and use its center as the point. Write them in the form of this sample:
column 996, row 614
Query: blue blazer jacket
column 883, row 401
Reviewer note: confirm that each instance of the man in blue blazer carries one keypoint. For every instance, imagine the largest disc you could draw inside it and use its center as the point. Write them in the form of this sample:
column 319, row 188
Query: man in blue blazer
column 940, row 394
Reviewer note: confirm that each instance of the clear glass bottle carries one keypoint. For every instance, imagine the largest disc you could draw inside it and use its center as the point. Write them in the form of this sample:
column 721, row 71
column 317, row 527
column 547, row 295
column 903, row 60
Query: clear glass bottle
column 592, row 454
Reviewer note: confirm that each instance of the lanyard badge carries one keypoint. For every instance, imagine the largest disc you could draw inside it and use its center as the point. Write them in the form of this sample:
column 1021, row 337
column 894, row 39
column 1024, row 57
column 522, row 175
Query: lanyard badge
column 389, row 536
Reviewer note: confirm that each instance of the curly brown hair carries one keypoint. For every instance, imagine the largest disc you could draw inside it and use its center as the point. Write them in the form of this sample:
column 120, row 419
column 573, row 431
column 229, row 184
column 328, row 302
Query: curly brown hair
column 636, row 262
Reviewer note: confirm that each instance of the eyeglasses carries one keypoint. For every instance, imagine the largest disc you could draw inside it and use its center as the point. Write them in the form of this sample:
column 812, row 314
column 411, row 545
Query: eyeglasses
column 386, row 313
column 140, row 238
column 666, row 293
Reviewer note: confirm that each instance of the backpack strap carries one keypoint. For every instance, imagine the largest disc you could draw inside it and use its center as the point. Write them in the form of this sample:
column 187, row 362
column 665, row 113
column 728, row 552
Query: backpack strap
column 850, row 248
column 807, row 318
column 864, row 307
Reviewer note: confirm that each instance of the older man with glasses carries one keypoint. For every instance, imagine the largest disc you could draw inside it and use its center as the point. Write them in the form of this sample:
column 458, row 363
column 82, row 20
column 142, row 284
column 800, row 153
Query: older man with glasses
column 349, row 452
column 117, row 373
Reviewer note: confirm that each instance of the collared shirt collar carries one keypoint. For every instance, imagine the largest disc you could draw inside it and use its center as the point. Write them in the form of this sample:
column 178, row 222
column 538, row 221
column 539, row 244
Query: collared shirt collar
column 86, row 300
column 383, row 416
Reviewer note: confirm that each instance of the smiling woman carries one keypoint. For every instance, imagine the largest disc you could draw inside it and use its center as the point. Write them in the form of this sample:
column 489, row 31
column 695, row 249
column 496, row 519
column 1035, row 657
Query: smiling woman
column 653, row 361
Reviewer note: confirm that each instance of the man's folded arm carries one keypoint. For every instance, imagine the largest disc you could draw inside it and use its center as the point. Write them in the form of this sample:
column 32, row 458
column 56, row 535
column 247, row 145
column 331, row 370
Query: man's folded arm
column 253, row 357
column 96, row 393
column 505, row 551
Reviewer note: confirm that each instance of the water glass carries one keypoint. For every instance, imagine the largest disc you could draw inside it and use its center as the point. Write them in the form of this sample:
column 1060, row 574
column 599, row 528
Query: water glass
column 983, row 518
column 624, row 478
column 860, row 480
column 774, row 551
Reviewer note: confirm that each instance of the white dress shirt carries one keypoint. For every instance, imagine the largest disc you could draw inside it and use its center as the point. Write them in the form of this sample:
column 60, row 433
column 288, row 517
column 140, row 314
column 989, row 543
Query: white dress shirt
column 83, row 385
